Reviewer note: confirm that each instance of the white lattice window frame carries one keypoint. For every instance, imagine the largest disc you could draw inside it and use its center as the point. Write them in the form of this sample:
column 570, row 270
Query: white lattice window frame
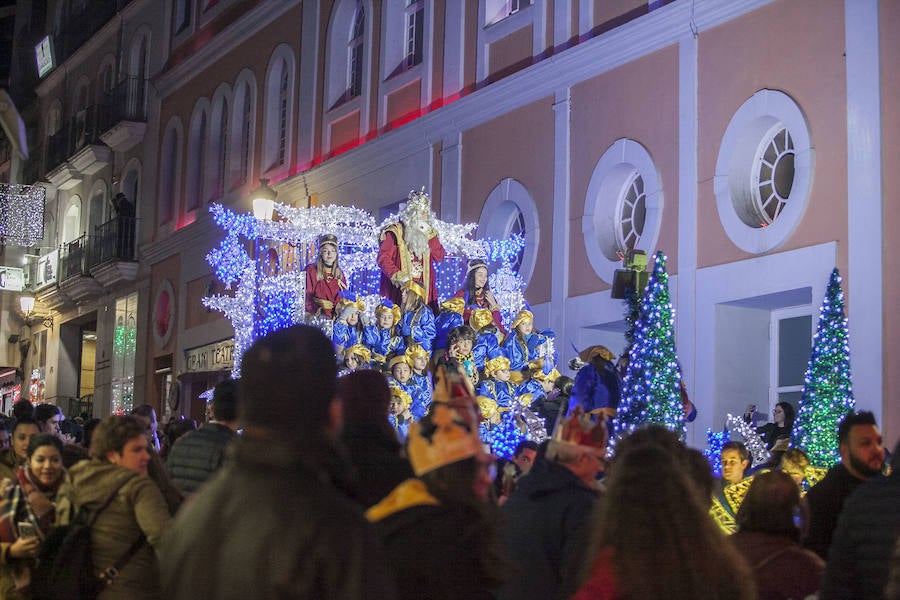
column 508, row 199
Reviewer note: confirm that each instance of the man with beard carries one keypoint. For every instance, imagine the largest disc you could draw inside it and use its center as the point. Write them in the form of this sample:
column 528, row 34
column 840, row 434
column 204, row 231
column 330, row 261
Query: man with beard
column 409, row 250
column 862, row 458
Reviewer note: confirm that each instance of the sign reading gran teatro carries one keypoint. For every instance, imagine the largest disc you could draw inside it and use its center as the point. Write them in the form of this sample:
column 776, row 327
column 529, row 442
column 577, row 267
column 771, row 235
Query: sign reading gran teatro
column 212, row 357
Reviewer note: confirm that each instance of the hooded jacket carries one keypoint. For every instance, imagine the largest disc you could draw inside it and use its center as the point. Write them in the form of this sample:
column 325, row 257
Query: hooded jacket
column 138, row 508
column 545, row 526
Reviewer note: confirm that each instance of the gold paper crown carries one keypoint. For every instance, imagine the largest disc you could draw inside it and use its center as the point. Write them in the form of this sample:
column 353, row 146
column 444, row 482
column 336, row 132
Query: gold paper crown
column 541, row 376
column 444, row 436
column 361, row 351
column 416, row 288
column 401, row 395
column 578, row 429
column 602, row 351
column 393, row 309
column 400, row 358
column 417, row 351
column 480, row 317
column 524, row 315
column 452, row 386
column 495, row 364
column 354, row 303
column 526, row 399
column 419, row 200
column 455, row 304
column 490, row 411
column 327, row 239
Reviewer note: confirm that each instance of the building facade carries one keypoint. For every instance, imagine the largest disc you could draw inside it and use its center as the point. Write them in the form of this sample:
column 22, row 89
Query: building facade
column 747, row 139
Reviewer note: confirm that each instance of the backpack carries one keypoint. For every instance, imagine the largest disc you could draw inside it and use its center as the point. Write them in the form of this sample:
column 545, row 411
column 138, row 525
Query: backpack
column 65, row 568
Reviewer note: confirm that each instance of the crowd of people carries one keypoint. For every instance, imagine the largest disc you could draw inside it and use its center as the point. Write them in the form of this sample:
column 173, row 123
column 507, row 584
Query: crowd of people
column 299, row 486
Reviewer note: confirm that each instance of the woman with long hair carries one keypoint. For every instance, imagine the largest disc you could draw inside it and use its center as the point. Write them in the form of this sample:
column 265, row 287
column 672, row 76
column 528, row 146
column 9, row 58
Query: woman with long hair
column 27, row 512
column 653, row 537
column 476, row 292
column 324, row 279
column 780, row 427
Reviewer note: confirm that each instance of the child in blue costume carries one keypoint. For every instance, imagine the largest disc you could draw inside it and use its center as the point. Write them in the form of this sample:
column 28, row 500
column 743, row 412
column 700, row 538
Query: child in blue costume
column 489, row 337
column 417, row 324
column 401, row 378
column 450, row 317
column 356, row 357
column 348, row 327
column 381, row 338
column 399, row 416
column 497, row 385
column 421, row 378
column 522, row 347
column 540, row 384
column 458, row 355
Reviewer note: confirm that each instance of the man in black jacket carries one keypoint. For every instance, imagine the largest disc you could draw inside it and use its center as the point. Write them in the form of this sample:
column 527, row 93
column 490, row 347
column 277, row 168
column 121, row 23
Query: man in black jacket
column 273, row 523
column 547, row 518
column 198, row 454
column 862, row 458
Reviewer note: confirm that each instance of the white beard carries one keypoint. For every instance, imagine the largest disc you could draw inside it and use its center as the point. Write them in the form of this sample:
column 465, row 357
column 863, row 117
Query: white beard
column 416, row 241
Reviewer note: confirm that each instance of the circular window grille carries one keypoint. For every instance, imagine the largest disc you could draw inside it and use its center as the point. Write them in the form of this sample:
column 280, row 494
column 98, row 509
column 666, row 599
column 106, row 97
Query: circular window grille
column 518, row 227
column 764, row 172
column 632, row 213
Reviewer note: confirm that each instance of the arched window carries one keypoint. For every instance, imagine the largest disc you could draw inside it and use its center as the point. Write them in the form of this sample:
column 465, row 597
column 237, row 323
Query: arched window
column 137, row 69
column 217, row 153
column 510, row 210
column 169, row 187
column 356, row 52
column 131, row 182
column 196, row 157
column 182, row 15
column 72, row 220
column 99, row 206
column 242, row 130
column 278, row 102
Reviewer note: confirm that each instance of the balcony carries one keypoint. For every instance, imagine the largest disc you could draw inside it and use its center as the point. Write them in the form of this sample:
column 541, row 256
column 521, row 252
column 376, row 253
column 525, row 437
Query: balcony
column 76, row 149
column 123, row 120
column 112, row 258
column 59, row 172
column 80, row 27
column 75, row 279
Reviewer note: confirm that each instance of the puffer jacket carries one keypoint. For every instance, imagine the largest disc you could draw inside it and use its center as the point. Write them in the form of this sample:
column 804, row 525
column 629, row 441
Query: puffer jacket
column 138, row 508
column 197, row 455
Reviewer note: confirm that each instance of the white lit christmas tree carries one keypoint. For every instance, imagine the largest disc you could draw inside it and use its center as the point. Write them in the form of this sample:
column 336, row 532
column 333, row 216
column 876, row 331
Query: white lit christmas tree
column 827, row 394
column 652, row 392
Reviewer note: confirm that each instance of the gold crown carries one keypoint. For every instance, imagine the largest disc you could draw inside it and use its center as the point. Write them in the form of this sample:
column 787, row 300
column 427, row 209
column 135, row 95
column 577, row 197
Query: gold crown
column 524, row 315
column 393, row 309
column 400, row 358
column 401, row 395
column 352, row 303
column 490, row 410
column 455, row 304
column 480, row 317
column 541, row 376
column 495, row 364
column 579, row 430
column 475, row 263
column 419, row 200
column 447, row 434
column 602, row 351
column 526, row 399
column 361, row 351
column 417, row 351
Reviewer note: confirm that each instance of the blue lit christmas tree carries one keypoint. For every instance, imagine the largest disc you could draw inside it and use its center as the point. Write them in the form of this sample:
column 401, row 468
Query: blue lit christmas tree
column 827, row 394
column 651, row 393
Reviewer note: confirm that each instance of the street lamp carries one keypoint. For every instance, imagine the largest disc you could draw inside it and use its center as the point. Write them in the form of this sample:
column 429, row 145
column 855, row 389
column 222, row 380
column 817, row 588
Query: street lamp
column 263, row 199
column 26, row 305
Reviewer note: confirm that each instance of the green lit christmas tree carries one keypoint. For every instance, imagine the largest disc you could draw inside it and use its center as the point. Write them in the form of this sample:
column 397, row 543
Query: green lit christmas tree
column 651, row 393
column 827, row 393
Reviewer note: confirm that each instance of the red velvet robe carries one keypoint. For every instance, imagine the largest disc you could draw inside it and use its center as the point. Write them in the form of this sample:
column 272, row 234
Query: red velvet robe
column 390, row 261
column 327, row 288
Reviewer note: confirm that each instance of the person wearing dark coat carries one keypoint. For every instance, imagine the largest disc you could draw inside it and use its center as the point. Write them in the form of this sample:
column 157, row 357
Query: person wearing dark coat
column 198, row 454
column 372, row 444
column 869, row 525
column 272, row 524
column 546, row 520
column 768, row 538
column 862, row 458
column 438, row 527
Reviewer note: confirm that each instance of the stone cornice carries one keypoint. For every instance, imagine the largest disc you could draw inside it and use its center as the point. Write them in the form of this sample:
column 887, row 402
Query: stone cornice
column 658, row 29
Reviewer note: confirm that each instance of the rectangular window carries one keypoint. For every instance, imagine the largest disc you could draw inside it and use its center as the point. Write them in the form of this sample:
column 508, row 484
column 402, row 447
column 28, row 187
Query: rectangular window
column 415, row 26
column 356, row 70
column 182, row 15
column 245, row 141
